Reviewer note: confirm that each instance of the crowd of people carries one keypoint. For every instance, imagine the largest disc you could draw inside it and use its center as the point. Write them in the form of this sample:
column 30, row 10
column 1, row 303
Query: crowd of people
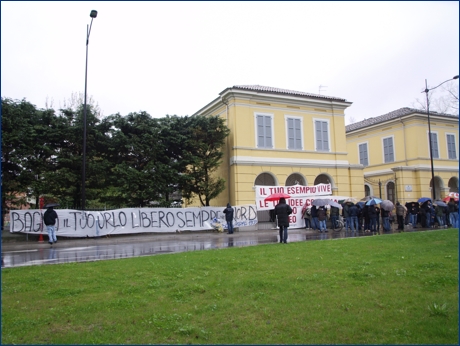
column 371, row 218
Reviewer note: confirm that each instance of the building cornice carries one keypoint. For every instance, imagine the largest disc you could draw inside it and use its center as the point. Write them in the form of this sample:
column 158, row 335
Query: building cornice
column 264, row 161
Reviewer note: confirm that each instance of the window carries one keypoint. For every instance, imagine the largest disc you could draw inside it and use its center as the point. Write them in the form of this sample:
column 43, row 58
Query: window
column 321, row 135
column 295, row 179
column 322, row 179
column 434, row 145
column 294, row 135
column 388, row 150
column 265, row 179
column 367, row 190
column 391, row 191
column 363, row 157
column 451, row 151
column 264, row 131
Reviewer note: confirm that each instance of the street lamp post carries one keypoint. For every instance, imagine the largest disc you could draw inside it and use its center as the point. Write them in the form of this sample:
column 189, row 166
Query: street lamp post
column 429, row 132
column 93, row 15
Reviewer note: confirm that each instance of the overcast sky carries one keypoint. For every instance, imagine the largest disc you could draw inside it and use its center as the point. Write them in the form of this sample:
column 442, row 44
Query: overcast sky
column 176, row 57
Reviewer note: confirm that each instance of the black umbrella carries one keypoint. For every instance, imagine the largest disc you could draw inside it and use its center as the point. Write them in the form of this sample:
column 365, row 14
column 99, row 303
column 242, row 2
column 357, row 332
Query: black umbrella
column 51, row 205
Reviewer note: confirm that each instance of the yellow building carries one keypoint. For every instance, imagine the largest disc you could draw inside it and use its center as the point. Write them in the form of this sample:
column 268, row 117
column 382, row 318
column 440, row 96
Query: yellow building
column 282, row 137
column 395, row 152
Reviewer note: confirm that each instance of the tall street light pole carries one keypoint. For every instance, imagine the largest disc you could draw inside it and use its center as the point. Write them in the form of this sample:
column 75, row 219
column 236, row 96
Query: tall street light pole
column 429, row 132
column 93, row 15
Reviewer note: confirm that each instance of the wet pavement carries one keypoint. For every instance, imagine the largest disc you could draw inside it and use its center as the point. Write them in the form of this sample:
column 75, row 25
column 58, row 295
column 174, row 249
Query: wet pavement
column 21, row 252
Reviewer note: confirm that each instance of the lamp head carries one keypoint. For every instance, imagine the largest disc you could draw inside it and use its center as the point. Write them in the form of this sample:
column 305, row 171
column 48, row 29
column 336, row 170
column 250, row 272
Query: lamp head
column 93, row 14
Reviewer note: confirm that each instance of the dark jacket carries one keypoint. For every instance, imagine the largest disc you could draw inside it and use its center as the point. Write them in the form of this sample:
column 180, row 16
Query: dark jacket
column 282, row 211
column 228, row 213
column 335, row 211
column 314, row 211
column 372, row 212
column 50, row 216
column 384, row 213
column 353, row 210
column 453, row 207
column 413, row 208
column 321, row 214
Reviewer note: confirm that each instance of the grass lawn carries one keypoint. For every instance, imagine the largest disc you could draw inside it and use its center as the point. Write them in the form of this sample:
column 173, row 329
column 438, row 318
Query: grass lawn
column 390, row 289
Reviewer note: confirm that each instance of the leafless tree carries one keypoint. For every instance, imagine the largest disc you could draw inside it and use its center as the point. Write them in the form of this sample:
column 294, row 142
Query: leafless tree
column 77, row 99
column 443, row 100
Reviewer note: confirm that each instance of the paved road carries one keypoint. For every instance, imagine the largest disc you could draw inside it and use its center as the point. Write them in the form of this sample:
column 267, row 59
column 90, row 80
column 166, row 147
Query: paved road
column 19, row 252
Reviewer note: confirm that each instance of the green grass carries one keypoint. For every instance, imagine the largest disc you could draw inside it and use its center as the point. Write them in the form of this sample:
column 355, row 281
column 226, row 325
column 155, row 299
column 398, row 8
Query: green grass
column 391, row 289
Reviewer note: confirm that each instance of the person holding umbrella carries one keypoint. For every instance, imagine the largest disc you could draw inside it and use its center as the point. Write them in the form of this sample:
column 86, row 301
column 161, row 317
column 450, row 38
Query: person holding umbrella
column 282, row 211
column 49, row 218
column 385, row 220
column 353, row 212
column 426, row 214
column 400, row 215
column 413, row 210
column 439, row 212
column 322, row 219
column 453, row 212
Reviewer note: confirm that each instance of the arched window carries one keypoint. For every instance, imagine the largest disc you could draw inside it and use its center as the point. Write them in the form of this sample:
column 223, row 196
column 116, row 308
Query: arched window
column 438, row 186
column 265, row 179
column 367, row 190
column 453, row 184
column 295, row 179
column 323, row 179
column 391, row 191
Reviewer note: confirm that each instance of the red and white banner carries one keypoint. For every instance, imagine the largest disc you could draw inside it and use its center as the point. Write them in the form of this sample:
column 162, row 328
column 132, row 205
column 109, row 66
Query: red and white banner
column 301, row 197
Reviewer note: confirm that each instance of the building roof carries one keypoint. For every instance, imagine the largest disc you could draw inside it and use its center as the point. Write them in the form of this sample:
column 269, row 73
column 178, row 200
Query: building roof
column 392, row 115
column 267, row 89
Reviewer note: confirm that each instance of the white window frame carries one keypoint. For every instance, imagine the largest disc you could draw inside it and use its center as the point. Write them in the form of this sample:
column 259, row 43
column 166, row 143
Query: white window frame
column 383, row 149
column 328, row 134
column 437, row 144
column 455, row 146
column 256, row 114
column 367, row 151
column 286, row 120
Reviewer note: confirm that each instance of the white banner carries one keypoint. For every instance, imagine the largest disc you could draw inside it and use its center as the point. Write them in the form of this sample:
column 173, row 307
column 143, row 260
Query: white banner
column 300, row 196
column 76, row 223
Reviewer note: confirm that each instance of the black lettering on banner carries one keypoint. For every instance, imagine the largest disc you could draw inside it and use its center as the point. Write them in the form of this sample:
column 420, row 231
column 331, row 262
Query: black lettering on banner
column 252, row 213
column 74, row 218
column 27, row 222
column 108, row 217
column 125, row 219
column 99, row 219
column 133, row 217
column 114, row 220
column 83, row 219
column 145, row 220
column 197, row 217
column 190, row 219
column 243, row 213
column 153, row 219
column 179, row 216
column 204, row 216
column 170, row 219
column 15, row 217
column 87, row 220
column 162, row 215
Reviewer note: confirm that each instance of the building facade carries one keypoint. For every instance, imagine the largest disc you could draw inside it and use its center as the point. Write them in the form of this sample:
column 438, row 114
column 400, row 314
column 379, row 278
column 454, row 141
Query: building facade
column 282, row 137
column 395, row 151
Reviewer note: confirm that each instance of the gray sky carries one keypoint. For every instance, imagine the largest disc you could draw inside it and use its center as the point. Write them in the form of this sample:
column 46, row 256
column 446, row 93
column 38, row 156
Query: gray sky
column 175, row 57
